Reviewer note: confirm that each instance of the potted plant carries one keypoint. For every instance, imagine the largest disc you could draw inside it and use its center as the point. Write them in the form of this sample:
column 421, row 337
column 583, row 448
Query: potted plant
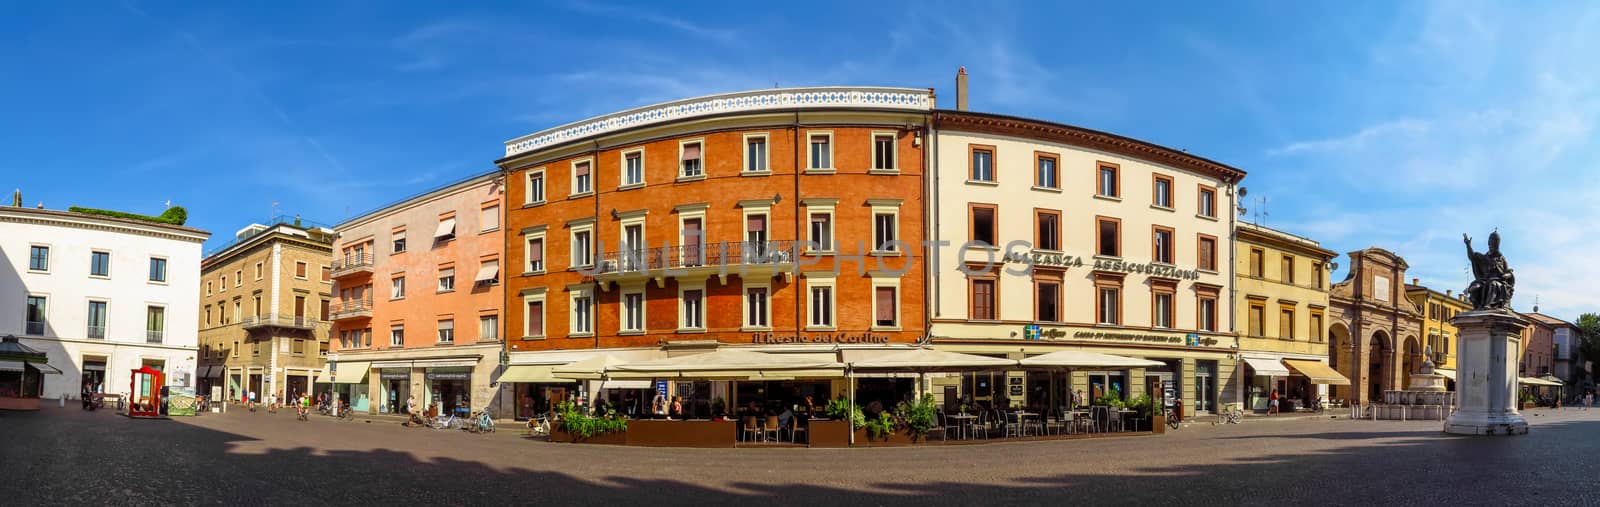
column 1528, row 400
column 577, row 426
column 919, row 417
column 880, row 427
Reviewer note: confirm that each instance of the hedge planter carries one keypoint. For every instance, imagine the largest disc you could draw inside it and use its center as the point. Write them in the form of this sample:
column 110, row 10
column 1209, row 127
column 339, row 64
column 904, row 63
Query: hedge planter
column 614, row 438
column 829, row 433
column 895, row 438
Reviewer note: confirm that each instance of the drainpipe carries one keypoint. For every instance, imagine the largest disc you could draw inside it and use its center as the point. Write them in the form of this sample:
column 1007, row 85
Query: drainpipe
column 1233, row 289
column 930, row 224
column 799, row 315
column 594, row 180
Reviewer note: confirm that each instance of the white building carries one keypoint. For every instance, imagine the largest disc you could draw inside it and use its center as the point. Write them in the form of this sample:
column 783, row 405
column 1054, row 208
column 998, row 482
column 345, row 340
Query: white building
column 100, row 295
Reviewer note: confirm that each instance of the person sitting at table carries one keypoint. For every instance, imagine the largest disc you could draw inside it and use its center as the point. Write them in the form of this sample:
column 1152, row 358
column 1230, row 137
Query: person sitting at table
column 785, row 417
column 808, row 407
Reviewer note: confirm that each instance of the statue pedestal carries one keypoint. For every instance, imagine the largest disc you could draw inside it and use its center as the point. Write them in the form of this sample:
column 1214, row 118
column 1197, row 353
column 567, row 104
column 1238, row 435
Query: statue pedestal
column 1486, row 380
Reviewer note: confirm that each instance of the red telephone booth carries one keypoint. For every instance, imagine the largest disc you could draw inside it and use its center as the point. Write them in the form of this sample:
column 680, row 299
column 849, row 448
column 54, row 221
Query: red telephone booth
column 145, row 392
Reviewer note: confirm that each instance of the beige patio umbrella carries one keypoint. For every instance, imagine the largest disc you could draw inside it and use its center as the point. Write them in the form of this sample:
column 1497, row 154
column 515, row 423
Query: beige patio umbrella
column 1085, row 359
column 729, row 364
column 593, row 368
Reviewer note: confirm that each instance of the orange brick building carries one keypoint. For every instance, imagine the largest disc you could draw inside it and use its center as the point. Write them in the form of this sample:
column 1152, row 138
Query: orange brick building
column 776, row 219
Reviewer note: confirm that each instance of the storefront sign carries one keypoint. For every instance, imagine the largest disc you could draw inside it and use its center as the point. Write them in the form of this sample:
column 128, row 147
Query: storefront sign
column 395, row 375
column 1036, row 332
column 1056, row 260
column 840, row 337
column 449, row 375
column 1043, row 259
column 661, row 388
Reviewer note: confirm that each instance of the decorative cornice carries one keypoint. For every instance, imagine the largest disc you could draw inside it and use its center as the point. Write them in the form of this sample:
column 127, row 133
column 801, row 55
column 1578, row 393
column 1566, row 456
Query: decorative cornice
column 105, row 224
column 967, row 121
column 783, row 99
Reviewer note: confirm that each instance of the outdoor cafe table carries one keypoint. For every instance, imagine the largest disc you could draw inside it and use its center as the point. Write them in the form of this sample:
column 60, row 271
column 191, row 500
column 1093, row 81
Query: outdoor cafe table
column 965, row 419
column 1022, row 418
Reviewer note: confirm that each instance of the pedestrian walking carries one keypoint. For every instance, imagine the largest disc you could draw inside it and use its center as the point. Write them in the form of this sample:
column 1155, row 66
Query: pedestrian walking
column 1272, row 402
column 252, row 401
column 1588, row 400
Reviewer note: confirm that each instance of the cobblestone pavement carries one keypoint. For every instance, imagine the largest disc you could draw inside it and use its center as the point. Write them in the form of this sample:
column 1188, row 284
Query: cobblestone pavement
column 66, row 456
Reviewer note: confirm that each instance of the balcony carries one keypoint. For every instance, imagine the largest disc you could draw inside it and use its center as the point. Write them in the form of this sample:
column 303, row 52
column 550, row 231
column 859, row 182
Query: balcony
column 97, row 332
column 34, row 329
column 352, row 265
column 287, row 322
column 350, row 309
column 153, row 336
column 712, row 258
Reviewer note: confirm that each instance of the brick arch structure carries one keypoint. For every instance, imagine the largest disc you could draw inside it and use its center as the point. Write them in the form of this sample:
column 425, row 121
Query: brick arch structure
column 1371, row 303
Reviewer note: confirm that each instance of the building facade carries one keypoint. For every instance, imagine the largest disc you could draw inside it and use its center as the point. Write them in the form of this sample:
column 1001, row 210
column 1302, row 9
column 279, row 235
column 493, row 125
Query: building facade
column 263, row 311
column 418, row 300
column 1051, row 237
column 787, row 218
column 101, row 296
column 1539, row 348
column 1281, row 290
column 1374, row 330
column 1440, row 310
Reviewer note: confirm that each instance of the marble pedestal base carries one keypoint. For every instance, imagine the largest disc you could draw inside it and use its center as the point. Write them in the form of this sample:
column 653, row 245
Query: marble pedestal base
column 1486, row 374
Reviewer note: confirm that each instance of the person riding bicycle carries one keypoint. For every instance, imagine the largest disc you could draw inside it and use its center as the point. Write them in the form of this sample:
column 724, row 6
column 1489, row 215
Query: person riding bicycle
column 414, row 419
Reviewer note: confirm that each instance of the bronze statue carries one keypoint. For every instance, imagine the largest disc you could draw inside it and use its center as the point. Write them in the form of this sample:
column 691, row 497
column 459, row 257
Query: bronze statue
column 1493, row 281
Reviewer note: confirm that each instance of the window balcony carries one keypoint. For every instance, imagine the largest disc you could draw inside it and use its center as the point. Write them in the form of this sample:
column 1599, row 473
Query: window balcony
column 685, row 260
column 350, row 309
column 350, row 265
column 153, row 336
column 97, row 332
column 287, row 322
column 34, row 329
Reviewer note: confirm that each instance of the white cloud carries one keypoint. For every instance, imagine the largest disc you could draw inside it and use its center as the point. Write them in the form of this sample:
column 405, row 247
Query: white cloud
column 1357, row 140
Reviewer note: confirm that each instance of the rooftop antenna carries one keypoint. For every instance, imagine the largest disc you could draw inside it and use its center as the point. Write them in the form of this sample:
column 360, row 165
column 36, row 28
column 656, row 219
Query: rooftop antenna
column 274, row 212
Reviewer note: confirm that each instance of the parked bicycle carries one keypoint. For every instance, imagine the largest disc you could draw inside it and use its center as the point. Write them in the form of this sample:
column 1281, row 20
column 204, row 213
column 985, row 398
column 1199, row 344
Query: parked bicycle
column 1228, row 413
column 446, row 421
column 539, row 426
column 480, row 422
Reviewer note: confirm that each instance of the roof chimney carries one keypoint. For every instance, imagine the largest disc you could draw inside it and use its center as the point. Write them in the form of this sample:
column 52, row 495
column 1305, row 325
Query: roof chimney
column 961, row 89
column 16, row 199
column 1448, row 291
column 1414, row 282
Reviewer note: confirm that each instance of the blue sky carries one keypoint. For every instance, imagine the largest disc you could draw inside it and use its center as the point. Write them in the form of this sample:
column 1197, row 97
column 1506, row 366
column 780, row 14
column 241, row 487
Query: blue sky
column 1391, row 124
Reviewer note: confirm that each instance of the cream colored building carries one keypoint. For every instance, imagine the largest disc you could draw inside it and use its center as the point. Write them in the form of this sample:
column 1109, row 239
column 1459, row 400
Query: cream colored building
column 1438, row 311
column 264, row 310
column 1281, row 287
column 1054, row 237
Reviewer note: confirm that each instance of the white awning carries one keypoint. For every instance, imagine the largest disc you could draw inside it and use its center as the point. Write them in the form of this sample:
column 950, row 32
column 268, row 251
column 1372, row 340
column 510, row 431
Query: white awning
column 45, row 368
column 730, row 363
column 1086, row 359
column 592, row 368
column 1449, row 374
column 531, row 374
column 446, row 227
column 488, row 272
column 920, row 360
column 351, row 373
column 94, row 367
column 1536, row 382
column 10, row 365
column 1267, row 367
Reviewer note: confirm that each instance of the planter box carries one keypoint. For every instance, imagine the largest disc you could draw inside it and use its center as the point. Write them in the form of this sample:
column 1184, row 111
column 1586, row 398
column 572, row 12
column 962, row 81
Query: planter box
column 893, row 439
column 824, row 433
column 652, row 433
column 603, row 438
column 19, row 404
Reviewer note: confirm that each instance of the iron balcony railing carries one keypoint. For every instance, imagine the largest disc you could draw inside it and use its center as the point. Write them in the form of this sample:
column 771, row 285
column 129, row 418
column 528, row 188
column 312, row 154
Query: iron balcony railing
column 742, row 253
column 295, row 322
column 35, row 328
column 351, row 264
column 349, row 308
column 152, row 336
column 97, row 331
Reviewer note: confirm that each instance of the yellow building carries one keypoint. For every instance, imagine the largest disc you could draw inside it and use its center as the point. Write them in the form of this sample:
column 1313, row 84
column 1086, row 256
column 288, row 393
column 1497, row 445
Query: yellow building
column 1281, row 291
column 1438, row 309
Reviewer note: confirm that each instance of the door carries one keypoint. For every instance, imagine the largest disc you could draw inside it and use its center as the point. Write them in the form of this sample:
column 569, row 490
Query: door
column 1205, row 385
column 633, row 247
column 299, row 310
column 693, row 242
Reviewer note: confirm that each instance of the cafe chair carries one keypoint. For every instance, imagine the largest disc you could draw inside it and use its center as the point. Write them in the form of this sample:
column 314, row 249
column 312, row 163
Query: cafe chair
column 980, row 426
column 1054, row 424
column 749, row 432
column 770, row 427
column 1013, row 425
column 945, row 426
column 794, row 428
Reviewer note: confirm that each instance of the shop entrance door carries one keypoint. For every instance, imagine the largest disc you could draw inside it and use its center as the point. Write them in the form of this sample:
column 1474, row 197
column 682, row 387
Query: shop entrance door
column 1205, row 386
column 94, row 374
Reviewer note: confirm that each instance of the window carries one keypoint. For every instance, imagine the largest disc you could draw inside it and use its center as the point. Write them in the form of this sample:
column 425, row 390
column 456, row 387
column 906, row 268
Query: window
column 821, row 307
column 582, row 249
column 1046, row 173
column 533, row 318
column 34, row 317
column 755, row 307
column 447, row 279
column 883, row 152
column 100, row 264
column 235, row 349
column 1108, row 241
column 1286, row 323
column 983, row 299
column 1316, row 327
column 488, row 328
column 398, row 244
column 397, row 287
column 535, row 190
column 488, row 273
column 255, row 346
column 1047, row 229
column 1162, row 191
column 694, row 309
column 224, row 283
column 324, row 310
column 1110, row 182
column 1048, row 296
column 582, row 313
column 158, row 270
column 822, row 231
column 1286, row 269
column 257, row 306
column 633, row 168
column 1161, row 245
column 327, row 274
column 633, row 247
column 691, row 162
column 755, row 229
column 755, row 154
column 821, row 154
column 692, row 235
column 886, row 311
column 1109, row 305
column 489, row 218
column 633, row 311
column 208, row 315
column 1208, row 253
column 39, row 258
column 238, row 277
column 208, row 288
column 984, row 228
column 1161, row 309
column 535, row 254
column 1258, row 319
column 299, row 271
column 982, row 163
column 1256, row 262
column 447, row 331
column 582, row 181
column 883, row 232
column 1208, row 202
column 1207, row 306
column 97, row 319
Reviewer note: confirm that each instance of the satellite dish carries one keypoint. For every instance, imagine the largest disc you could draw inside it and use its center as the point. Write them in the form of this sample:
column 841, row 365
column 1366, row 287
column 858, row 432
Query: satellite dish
column 1333, row 266
column 1243, row 191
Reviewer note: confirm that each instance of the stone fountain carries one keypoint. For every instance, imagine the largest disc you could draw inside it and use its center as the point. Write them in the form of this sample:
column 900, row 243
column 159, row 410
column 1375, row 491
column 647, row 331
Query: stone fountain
column 1426, row 397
